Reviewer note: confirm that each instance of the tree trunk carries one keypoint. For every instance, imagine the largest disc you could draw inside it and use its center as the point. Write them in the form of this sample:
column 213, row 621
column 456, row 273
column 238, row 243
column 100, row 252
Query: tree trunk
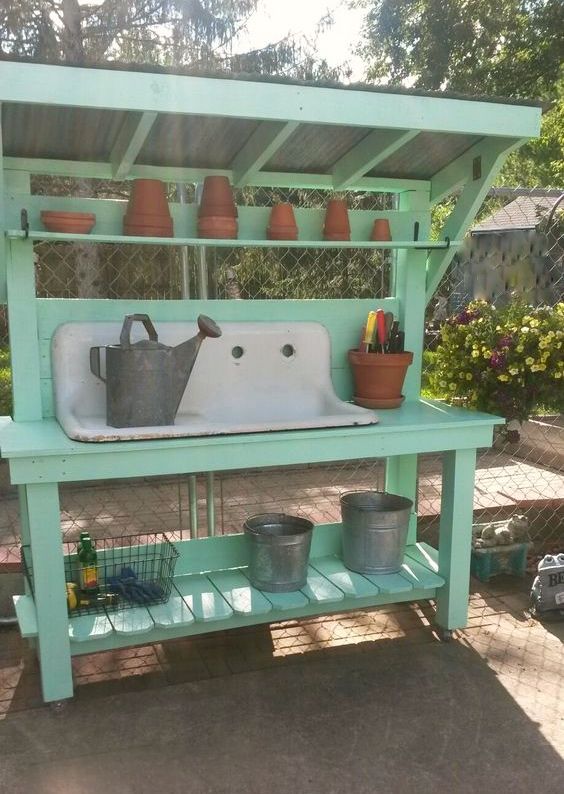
column 89, row 275
column 89, row 272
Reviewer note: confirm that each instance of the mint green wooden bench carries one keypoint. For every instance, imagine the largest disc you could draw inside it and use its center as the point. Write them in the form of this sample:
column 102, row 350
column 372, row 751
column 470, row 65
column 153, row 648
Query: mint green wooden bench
column 421, row 148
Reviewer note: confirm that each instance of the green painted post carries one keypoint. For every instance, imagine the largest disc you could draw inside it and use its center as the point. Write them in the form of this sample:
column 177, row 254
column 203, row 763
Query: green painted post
column 50, row 592
column 24, row 342
column 455, row 537
column 409, row 286
column 193, row 505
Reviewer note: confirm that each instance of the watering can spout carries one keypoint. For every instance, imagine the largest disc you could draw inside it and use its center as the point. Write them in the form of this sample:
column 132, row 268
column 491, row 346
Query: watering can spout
column 184, row 355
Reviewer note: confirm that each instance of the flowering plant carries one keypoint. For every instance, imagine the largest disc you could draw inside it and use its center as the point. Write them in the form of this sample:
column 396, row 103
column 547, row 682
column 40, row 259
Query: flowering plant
column 507, row 361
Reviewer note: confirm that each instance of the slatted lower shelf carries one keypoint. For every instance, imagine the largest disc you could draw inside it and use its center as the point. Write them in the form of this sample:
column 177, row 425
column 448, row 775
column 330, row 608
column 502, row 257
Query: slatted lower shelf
column 225, row 599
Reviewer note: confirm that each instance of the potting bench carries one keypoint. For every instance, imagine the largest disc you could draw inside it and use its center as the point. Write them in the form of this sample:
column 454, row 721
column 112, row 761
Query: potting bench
column 116, row 124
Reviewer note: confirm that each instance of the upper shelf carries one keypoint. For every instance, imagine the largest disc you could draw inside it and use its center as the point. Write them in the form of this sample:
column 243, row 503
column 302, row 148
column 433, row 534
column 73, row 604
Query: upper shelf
column 17, row 234
column 113, row 123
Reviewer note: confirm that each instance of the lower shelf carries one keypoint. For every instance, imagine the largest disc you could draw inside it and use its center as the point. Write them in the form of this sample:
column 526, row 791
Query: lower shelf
column 223, row 599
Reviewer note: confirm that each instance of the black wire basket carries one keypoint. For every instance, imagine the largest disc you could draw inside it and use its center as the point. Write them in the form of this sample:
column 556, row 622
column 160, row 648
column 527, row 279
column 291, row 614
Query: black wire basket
column 131, row 571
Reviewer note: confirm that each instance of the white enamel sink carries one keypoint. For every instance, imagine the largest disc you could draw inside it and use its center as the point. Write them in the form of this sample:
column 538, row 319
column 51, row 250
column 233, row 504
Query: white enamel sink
column 262, row 390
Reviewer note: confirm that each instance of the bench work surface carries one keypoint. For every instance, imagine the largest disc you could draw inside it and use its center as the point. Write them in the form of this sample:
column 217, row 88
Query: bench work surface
column 41, row 452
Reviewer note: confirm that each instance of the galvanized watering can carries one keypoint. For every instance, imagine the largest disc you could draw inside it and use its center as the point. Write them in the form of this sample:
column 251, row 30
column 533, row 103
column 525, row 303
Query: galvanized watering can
column 145, row 381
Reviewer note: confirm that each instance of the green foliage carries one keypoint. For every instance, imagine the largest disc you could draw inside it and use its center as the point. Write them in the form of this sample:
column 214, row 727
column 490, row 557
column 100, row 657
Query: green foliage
column 5, row 382
column 540, row 162
column 507, row 361
column 512, row 48
column 509, row 48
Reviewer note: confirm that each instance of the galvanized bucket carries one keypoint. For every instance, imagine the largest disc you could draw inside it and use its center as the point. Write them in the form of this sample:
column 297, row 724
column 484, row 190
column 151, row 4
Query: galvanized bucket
column 278, row 551
column 374, row 530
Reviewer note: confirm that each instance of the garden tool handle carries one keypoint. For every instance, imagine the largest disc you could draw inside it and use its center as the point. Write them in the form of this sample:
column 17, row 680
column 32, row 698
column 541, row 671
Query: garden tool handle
column 95, row 362
column 381, row 328
column 125, row 336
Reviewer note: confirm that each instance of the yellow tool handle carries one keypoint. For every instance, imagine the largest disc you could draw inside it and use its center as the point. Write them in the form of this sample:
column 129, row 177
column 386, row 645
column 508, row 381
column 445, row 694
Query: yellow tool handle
column 369, row 330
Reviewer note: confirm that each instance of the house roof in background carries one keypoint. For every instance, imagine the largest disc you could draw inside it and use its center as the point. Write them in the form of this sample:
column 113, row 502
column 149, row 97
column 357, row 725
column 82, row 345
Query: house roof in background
column 524, row 212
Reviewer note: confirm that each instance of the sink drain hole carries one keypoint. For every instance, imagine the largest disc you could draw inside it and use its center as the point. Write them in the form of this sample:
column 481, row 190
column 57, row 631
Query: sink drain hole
column 288, row 351
column 237, row 351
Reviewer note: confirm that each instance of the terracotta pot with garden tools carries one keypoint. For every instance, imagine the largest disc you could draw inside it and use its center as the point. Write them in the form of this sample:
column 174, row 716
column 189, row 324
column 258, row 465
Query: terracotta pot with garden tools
column 380, row 364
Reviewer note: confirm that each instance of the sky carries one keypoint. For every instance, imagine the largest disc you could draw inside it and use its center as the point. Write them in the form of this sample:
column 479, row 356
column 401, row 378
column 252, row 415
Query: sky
column 274, row 19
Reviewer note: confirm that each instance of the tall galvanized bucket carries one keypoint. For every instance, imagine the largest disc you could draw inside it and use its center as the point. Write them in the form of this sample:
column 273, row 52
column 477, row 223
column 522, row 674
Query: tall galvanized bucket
column 279, row 548
column 374, row 530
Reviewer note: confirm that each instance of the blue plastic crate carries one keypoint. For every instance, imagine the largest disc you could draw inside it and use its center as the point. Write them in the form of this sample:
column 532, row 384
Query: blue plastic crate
column 511, row 559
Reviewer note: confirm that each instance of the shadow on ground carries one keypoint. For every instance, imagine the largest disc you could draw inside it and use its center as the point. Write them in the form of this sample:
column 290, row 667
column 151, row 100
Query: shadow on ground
column 390, row 716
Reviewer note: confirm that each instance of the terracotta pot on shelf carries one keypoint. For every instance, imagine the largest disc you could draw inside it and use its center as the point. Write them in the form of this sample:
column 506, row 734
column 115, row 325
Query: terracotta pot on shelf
column 381, row 230
column 134, row 229
column 217, row 213
column 379, row 378
column 337, row 226
column 148, row 213
column 148, row 197
column 217, row 199
column 282, row 223
column 219, row 228
column 68, row 222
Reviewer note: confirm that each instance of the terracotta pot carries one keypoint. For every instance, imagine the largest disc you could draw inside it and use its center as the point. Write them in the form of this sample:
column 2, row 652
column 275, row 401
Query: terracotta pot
column 379, row 377
column 68, row 222
column 148, row 197
column 217, row 198
column 337, row 226
column 220, row 228
column 282, row 223
column 157, row 229
column 381, row 230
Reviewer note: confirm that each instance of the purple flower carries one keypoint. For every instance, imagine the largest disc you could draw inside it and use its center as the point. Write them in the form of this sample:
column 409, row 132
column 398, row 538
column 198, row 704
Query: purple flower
column 497, row 360
column 465, row 317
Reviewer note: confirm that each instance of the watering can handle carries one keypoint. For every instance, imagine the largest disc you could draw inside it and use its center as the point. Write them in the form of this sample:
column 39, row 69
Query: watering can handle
column 95, row 363
column 124, row 337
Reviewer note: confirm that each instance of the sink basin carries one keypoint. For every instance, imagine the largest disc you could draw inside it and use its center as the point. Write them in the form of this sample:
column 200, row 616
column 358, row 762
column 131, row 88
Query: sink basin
column 256, row 377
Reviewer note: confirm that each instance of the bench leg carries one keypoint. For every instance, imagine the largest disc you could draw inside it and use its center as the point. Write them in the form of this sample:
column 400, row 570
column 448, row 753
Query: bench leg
column 50, row 593
column 401, row 479
column 455, row 538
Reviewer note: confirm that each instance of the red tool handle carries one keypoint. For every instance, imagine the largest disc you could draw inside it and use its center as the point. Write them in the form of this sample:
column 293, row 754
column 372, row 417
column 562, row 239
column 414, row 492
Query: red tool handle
column 381, row 328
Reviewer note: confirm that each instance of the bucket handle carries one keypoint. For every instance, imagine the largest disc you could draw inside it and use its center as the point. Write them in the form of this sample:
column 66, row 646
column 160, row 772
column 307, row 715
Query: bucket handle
column 125, row 336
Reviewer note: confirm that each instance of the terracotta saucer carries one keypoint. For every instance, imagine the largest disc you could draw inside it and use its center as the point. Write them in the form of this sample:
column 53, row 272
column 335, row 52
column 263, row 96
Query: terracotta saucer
column 69, row 222
column 394, row 402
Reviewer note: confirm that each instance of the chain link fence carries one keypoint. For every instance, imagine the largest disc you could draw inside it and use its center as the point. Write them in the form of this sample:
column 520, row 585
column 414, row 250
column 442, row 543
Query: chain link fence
column 527, row 476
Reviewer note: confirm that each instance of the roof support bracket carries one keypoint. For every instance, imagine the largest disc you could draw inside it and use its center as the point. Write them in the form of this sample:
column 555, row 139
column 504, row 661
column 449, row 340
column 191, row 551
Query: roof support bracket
column 492, row 153
column 263, row 143
column 376, row 147
column 129, row 143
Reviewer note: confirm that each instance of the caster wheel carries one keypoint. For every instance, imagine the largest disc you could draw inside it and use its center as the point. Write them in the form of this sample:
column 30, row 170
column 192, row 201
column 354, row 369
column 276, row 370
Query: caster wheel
column 445, row 635
column 59, row 706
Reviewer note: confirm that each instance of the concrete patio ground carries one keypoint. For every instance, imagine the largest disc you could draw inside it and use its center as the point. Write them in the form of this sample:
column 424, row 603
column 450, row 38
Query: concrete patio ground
column 362, row 702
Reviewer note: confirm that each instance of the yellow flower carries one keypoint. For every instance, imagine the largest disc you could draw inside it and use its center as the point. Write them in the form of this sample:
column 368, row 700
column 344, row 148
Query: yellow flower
column 486, row 353
column 475, row 353
column 529, row 361
column 513, row 370
column 524, row 330
column 557, row 375
column 468, row 376
column 519, row 348
column 503, row 376
column 534, row 323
